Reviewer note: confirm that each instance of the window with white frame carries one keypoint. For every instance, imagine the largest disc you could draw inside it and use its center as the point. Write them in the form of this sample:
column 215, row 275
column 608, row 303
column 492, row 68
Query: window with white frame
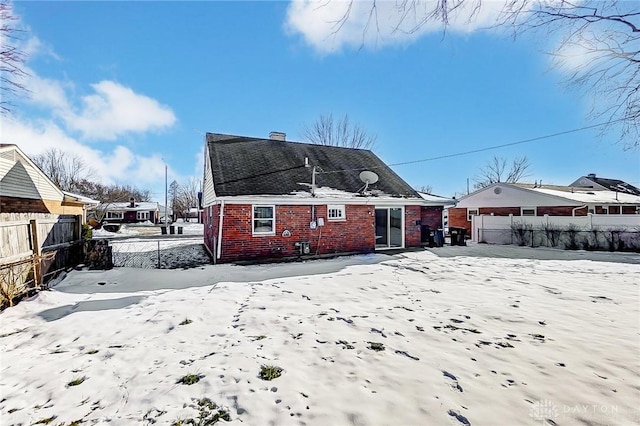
column 527, row 211
column 142, row 215
column 471, row 213
column 336, row 212
column 264, row 220
column 115, row 215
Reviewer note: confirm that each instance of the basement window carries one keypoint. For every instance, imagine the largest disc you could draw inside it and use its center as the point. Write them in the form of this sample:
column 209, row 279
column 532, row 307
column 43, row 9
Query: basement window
column 527, row 211
column 471, row 213
column 336, row 212
column 264, row 220
column 115, row 215
column 142, row 215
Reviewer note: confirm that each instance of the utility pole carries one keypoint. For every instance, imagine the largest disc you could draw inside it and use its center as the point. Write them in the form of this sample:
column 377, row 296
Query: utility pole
column 165, row 195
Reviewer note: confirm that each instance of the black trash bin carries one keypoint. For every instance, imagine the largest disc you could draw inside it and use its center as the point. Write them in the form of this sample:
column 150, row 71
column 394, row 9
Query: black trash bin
column 164, row 230
column 179, row 229
column 457, row 236
column 424, row 234
column 438, row 238
column 172, row 229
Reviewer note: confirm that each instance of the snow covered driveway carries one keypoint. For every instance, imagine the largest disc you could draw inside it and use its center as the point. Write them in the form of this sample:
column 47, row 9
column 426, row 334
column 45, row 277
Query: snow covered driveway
column 410, row 339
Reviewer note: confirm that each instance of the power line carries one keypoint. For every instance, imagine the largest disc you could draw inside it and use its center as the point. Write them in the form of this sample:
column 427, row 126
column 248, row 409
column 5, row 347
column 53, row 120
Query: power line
column 552, row 135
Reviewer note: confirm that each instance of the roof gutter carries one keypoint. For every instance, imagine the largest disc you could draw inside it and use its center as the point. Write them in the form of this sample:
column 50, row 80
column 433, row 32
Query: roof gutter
column 219, row 245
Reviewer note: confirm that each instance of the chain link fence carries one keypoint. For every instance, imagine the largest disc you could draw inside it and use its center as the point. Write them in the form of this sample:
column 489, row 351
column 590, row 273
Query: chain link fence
column 161, row 254
column 568, row 238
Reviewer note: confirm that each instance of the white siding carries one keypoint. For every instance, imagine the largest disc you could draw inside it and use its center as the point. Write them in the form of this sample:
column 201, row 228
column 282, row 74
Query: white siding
column 208, row 191
column 499, row 195
column 19, row 178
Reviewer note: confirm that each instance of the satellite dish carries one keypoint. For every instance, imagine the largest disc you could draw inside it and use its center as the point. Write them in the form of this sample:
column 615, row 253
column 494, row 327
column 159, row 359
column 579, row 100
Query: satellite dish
column 368, row 177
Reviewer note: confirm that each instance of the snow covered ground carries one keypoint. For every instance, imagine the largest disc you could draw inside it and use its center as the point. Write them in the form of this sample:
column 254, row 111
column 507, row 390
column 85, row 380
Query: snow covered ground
column 176, row 252
column 412, row 339
column 147, row 228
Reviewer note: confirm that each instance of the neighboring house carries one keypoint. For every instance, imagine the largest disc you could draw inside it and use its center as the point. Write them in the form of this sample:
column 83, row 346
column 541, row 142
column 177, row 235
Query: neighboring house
column 24, row 188
column 130, row 212
column 591, row 181
column 269, row 198
column 501, row 199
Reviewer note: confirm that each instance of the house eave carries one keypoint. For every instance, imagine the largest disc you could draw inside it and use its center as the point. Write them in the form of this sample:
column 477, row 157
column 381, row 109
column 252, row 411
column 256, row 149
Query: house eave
column 297, row 200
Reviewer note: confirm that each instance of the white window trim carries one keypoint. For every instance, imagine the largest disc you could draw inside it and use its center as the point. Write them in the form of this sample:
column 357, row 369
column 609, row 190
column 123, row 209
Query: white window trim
column 145, row 215
column 115, row 215
column 535, row 211
column 470, row 214
column 253, row 219
column 341, row 208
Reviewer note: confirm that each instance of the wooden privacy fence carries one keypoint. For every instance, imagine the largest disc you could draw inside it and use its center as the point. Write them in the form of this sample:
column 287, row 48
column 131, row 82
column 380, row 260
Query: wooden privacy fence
column 34, row 246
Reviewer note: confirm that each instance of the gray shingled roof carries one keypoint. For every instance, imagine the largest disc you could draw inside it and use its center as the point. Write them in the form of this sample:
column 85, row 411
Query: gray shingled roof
column 616, row 185
column 254, row 166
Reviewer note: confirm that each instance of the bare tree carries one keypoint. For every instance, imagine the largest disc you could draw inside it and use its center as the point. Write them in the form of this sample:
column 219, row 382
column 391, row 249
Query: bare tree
column 424, row 188
column 108, row 195
column 496, row 170
column 65, row 170
column 327, row 131
column 12, row 58
column 598, row 44
column 186, row 198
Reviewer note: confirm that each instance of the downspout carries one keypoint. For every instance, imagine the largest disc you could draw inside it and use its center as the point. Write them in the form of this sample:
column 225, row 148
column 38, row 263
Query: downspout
column 219, row 248
column 573, row 211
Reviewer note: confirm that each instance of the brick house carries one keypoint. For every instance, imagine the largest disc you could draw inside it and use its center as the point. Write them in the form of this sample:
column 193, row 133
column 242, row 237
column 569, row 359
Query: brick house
column 129, row 212
column 24, row 188
column 270, row 198
column 502, row 199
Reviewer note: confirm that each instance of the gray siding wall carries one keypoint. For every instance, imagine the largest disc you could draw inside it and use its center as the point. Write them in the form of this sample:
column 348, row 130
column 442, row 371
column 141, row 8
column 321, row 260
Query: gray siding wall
column 18, row 178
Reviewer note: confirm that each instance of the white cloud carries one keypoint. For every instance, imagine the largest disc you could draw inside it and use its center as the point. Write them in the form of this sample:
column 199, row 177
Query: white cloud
column 116, row 164
column 115, row 110
column 33, row 47
column 46, row 92
column 322, row 25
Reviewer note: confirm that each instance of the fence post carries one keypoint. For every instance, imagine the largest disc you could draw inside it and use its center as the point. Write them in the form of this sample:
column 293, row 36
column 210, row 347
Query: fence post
column 35, row 247
column 158, row 254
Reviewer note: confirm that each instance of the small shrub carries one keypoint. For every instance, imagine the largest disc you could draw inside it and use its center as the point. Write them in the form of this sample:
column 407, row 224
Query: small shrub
column 375, row 346
column 572, row 231
column 186, row 322
column 190, row 379
column 77, row 381
column 87, row 232
column 522, row 232
column 553, row 233
column 270, row 372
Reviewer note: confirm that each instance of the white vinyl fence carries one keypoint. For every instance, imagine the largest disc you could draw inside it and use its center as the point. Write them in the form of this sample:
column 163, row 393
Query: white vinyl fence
column 597, row 232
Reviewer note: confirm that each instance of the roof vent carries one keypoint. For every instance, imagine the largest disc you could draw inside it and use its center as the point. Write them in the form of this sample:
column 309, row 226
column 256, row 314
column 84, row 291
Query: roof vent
column 132, row 202
column 278, row 136
column 591, row 175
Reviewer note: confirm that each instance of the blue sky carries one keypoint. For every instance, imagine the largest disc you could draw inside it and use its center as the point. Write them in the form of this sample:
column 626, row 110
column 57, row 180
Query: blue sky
column 125, row 85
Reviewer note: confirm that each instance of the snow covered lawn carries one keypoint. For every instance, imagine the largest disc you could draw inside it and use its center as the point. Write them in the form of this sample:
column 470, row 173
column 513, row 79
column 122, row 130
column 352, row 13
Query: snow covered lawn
column 411, row 339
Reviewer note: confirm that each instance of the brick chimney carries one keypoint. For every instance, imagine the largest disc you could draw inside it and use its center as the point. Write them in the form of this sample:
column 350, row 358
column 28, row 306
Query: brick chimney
column 132, row 202
column 278, row 136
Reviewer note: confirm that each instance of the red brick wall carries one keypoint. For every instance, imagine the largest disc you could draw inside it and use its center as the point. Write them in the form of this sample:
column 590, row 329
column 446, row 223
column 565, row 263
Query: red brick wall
column 412, row 219
column 431, row 216
column 500, row 211
column 458, row 218
column 356, row 234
